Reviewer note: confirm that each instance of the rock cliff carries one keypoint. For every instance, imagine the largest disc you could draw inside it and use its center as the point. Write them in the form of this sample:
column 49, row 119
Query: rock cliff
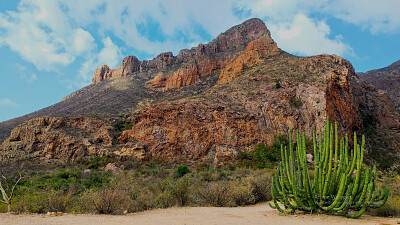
column 62, row 139
column 236, row 115
column 190, row 65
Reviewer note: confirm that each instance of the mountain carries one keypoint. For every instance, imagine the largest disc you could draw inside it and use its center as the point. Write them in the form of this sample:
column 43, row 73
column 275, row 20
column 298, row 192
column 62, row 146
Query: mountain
column 386, row 79
column 206, row 103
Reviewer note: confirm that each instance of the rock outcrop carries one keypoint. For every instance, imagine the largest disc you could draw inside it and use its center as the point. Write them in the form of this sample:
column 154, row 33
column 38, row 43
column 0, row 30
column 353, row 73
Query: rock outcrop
column 255, row 52
column 241, row 113
column 63, row 139
column 386, row 79
column 191, row 65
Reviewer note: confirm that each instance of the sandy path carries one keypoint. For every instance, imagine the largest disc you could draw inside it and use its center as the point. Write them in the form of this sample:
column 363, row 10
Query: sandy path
column 254, row 215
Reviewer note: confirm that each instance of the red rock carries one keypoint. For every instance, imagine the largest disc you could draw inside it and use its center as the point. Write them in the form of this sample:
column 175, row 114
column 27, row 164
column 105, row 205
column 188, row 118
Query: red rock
column 255, row 52
column 207, row 58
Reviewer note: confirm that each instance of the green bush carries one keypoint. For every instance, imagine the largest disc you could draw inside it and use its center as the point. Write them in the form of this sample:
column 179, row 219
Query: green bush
column 296, row 102
column 277, row 84
column 181, row 170
column 122, row 124
column 179, row 190
column 98, row 162
column 264, row 156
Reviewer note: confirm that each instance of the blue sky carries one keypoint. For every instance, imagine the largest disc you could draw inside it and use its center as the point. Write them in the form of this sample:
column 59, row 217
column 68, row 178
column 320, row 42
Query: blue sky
column 50, row 48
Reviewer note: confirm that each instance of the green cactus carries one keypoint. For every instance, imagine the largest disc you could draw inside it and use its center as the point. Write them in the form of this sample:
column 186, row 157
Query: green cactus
column 340, row 184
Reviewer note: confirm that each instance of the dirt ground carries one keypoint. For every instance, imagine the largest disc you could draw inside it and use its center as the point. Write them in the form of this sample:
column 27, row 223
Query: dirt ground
column 254, row 215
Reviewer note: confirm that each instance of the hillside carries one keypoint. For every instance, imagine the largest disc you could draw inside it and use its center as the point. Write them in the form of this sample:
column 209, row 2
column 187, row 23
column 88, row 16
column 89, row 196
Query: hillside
column 208, row 102
column 386, row 79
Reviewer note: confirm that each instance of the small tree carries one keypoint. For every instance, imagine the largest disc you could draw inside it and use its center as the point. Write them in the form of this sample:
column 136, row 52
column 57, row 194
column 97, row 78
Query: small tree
column 7, row 198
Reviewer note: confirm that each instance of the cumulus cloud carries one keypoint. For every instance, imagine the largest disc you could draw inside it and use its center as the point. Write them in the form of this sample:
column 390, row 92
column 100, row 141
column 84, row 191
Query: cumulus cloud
column 293, row 30
column 42, row 34
column 109, row 55
column 304, row 36
column 378, row 16
column 7, row 102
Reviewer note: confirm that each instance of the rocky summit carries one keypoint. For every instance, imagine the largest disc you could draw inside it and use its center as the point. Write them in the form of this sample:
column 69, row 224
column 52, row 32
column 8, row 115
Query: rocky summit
column 208, row 102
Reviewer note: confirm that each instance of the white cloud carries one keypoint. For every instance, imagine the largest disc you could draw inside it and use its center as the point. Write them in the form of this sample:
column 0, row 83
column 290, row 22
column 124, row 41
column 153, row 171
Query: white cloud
column 305, row 37
column 7, row 102
column 378, row 16
column 109, row 55
column 42, row 34
column 293, row 30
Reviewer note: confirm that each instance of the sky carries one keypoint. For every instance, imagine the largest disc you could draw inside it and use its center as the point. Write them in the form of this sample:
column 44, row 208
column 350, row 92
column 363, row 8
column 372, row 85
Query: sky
column 50, row 48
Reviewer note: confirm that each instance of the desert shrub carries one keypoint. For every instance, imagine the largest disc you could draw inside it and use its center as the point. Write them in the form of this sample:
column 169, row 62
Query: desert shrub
column 296, row 102
column 143, row 200
column 245, row 159
column 179, row 190
column 181, row 170
column 278, row 141
column 98, row 162
column 96, row 180
column 264, row 156
column 63, row 179
column 58, row 201
column 122, row 124
column 261, row 184
column 106, row 201
column 31, row 202
column 277, row 84
column 214, row 194
column 242, row 193
column 394, row 184
column 164, row 200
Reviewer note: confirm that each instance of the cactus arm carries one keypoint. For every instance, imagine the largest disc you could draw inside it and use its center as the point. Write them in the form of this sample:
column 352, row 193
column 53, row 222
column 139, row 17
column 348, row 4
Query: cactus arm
column 328, row 176
column 353, row 162
column 316, row 164
column 339, row 194
column 365, row 186
column 385, row 195
column 367, row 202
column 346, row 153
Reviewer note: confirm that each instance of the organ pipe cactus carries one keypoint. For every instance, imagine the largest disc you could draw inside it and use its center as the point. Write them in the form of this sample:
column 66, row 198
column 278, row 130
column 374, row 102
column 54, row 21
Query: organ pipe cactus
column 339, row 184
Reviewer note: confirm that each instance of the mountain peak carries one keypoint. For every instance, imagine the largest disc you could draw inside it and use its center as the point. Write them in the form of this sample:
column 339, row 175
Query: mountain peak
column 227, row 45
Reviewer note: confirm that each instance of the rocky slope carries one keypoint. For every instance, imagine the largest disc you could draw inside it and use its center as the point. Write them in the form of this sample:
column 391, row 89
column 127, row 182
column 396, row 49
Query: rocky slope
column 249, row 109
column 386, row 79
column 60, row 139
column 208, row 102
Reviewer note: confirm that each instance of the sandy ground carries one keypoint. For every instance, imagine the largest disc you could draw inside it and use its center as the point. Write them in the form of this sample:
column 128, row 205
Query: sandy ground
column 254, row 215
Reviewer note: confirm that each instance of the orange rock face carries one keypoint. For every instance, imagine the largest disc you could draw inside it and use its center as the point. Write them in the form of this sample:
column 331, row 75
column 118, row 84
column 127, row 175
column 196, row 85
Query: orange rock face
column 244, row 112
column 191, row 64
column 255, row 52
column 102, row 73
column 184, row 76
column 192, row 130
